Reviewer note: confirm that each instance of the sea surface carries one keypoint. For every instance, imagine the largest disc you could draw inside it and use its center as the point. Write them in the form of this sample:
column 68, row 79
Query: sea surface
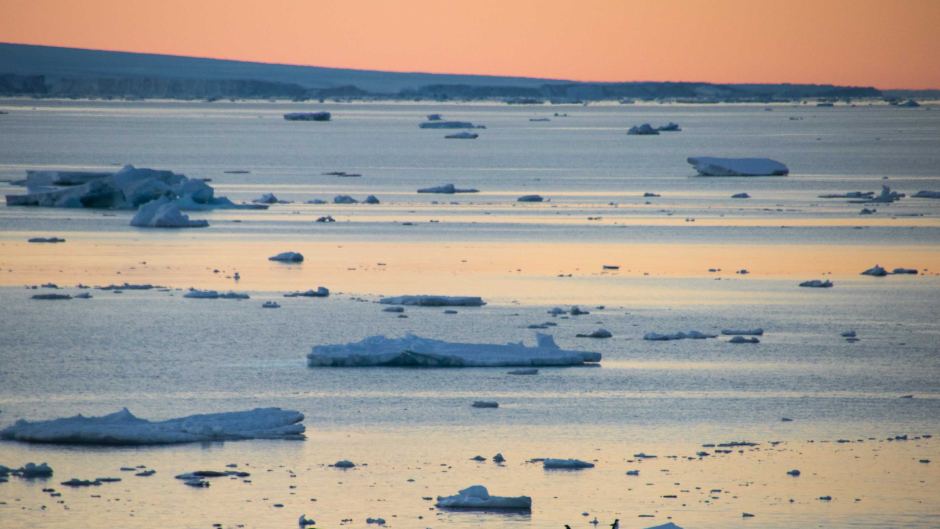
column 412, row 432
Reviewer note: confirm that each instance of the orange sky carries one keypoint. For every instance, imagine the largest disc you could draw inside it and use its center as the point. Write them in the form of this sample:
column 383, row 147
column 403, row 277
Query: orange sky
column 885, row 43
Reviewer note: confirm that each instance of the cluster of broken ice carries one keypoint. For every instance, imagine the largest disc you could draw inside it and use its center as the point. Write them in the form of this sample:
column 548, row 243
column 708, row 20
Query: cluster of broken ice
column 414, row 351
column 123, row 428
column 478, row 498
column 424, row 300
column 711, row 166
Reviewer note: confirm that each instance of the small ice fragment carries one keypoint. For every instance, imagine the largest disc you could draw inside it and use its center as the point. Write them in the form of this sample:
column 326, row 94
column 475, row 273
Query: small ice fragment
column 287, row 257
column 565, row 464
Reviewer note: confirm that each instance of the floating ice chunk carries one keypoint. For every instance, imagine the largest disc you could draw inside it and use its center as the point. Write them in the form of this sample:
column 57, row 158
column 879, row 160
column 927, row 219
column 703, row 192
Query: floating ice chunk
column 816, row 283
column 848, row 334
column 464, row 135
column 45, row 240
column 850, row 194
column 565, row 464
column 376, row 521
column 530, row 198
column 344, row 463
column 371, row 199
column 320, row 292
column 633, row 472
column 794, row 473
column 741, row 195
column 926, row 194
column 478, row 498
column 270, row 305
column 233, row 295
column 434, row 117
column 394, row 309
column 667, row 525
column 886, row 196
column 499, row 459
column 163, row 213
column 414, row 351
column 691, row 335
column 424, row 300
column 267, row 198
column 303, row 521
column 910, row 103
column 599, row 333
column 711, row 166
column 308, row 116
column 344, row 199
column 743, row 332
column 651, row 195
column 447, row 189
column 744, row 339
column 52, row 297
column 32, row 471
column 287, row 257
column 194, row 293
column 437, row 124
column 485, row 404
column 903, row 271
column 643, row 130
column 876, row 271
column 669, row 127
column 123, row 428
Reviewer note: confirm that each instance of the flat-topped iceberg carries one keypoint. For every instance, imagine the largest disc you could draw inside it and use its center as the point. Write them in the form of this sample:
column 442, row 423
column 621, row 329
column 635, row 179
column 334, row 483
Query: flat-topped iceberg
column 565, row 464
column 164, row 213
column 691, row 335
column 127, row 188
column 424, row 300
column 440, row 124
column 414, row 351
column 743, row 332
column 123, row 428
column 447, row 189
column 711, row 166
column 479, row 499
column 308, row 116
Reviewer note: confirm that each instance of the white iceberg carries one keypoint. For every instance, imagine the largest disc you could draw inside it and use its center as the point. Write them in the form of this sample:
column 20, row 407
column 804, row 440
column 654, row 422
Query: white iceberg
column 876, row 271
column 414, row 351
column 565, row 464
column 479, row 499
column 163, row 213
column 424, row 300
column 691, row 335
column 287, row 257
column 123, row 428
column 711, row 166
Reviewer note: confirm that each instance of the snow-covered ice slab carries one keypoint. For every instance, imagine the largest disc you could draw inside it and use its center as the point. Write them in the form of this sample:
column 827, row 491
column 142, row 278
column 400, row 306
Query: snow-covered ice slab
column 434, row 301
column 711, row 166
column 163, row 213
column 123, row 428
column 478, row 498
column 414, row 351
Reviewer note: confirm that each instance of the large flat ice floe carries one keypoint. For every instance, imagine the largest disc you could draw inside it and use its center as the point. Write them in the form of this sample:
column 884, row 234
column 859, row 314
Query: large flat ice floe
column 478, row 498
column 123, row 428
column 414, row 351
column 164, row 213
column 127, row 188
column 711, row 166
column 424, row 300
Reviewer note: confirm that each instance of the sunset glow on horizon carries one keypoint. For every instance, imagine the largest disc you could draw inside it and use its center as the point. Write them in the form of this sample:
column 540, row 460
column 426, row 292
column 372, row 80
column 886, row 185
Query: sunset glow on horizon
column 861, row 42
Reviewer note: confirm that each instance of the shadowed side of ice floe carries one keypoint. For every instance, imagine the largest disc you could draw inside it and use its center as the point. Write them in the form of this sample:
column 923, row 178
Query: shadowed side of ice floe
column 712, row 166
column 414, row 351
column 123, row 428
column 477, row 498
column 424, row 300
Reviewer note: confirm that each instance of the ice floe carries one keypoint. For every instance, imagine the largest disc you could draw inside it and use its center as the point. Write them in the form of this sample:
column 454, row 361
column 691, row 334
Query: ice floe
column 414, row 351
column 320, row 292
column 45, row 240
column 195, row 293
column 440, row 124
column 876, row 271
column 287, row 257
column 744, row 339
column 424, row 300
column 643, row 130
column 164, row 213
column 464, row 135
column 308, row 116
column 691, row 335
column 711, row 166
column 599, row 333
column 817, row 283
column 344, row 199
column 926, row 194
column 565, row 464
column 123, row 428
column 743, row 332
column 485, row 404
column 478, row 498
column 530, row 198
column 447, row 189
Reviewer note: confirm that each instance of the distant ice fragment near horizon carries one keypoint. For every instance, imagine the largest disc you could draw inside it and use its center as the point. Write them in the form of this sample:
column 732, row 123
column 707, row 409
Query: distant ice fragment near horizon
column 303, row 521
column 876, row 271
column 51, row 297
column 123, row 428
column 712, row 166
column 741, row 195
column 447, row 189
column 45, row 240
column 195, row 293
column 565, row 464
column 270, row 305
column 344, row 463
column 478, row 498
column 308, row 116
column 440, row 124
column 164, row 213
column 267, row 198
column 668, row 525
column 926, row 194
column 691, row 335
column 910, row 103
column 903, row 271
column 643, row 130
column 464, row 135
column 371, row 199
column 530, row 198
column 530, row 371
column 817, row 283
column 434, row 117
column 424, row 300
column 744, row 339
column 287, row 257
column 344, row 199
column 320, row 292
column 669, row 127
column 848, row 334
column 34, row 471
column 485, row 404
column 886, row 196
column 743, row 332
column 414, row 351
column 599, row 333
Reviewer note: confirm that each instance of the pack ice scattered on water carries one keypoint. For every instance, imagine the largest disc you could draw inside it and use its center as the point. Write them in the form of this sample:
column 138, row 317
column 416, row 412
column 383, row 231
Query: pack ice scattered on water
column 414, row 351
column 711, row 166
column 123, row 428
column 424, row 300
column 164, row 213
column 478, row 498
